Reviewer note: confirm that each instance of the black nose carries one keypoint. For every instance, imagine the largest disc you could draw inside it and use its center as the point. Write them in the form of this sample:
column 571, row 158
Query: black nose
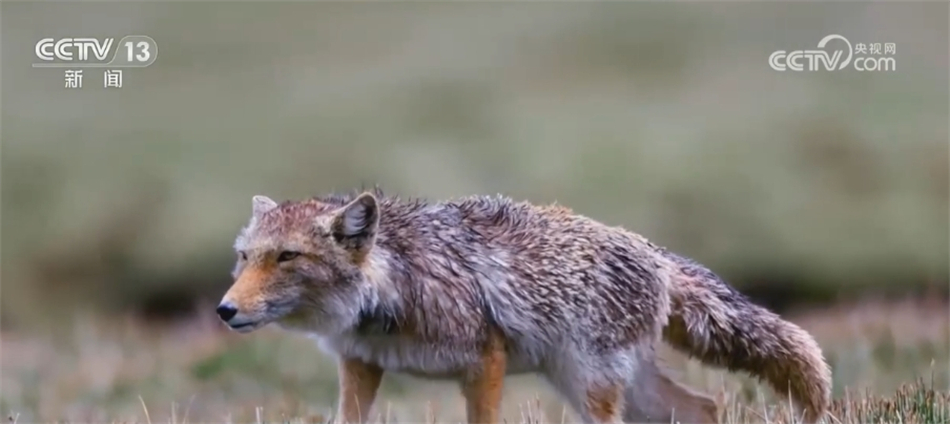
column 226, row 311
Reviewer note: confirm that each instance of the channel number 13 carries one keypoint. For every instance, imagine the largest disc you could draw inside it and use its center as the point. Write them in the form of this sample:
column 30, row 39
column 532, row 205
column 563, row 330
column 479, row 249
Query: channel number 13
column 137, row 51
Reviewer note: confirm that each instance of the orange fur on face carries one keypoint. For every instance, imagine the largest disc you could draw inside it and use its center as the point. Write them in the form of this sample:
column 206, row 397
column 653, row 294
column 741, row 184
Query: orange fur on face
column 482, row 389
column 248, row 291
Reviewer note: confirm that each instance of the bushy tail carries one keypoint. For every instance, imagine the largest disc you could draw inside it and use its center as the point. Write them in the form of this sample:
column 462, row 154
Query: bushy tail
column 716, row 324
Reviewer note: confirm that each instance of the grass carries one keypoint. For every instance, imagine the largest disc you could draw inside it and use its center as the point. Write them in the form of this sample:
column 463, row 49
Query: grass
column 913, row 403
column 890, row 363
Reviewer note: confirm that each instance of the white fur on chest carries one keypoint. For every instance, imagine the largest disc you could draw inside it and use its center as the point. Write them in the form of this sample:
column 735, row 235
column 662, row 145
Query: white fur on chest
column 395, row 354
column 399, row 354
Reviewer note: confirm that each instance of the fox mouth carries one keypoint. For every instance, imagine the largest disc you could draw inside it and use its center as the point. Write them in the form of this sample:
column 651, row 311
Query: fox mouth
column 244, row 327
column 246, row 323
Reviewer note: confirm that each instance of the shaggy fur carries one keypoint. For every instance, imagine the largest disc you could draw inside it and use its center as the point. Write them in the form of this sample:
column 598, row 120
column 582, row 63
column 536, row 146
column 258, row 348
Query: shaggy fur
column 481, row 287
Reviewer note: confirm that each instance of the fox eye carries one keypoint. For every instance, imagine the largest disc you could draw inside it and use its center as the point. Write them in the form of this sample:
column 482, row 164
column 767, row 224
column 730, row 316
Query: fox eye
column 287, row 255
column 242, row 255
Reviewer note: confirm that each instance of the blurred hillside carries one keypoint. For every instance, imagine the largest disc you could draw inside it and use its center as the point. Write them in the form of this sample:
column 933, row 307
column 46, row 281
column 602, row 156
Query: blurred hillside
column 662, row 118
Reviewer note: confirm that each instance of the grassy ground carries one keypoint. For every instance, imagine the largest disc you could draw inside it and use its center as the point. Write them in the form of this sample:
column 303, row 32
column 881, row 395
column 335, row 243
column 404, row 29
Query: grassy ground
column 890, row 362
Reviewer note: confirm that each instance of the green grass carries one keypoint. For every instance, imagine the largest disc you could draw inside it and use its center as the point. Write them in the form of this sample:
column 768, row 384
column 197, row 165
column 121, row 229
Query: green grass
column 890, row 365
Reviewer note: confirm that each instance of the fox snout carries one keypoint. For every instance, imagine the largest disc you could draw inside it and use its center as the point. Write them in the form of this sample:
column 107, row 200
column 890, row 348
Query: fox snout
column 245, row 317
column 235, row 318
column 251, row 300
column 226, row 311
column 229, row 314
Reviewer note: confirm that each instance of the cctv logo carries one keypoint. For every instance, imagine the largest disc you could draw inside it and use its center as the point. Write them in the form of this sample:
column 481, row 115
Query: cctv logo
column 69, row 49
column 132, row 51
column 814, row 60
column 780, row 60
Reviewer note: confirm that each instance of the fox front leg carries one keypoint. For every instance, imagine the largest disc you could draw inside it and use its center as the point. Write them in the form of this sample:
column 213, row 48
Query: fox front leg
column 359, row 382
column 482, row 386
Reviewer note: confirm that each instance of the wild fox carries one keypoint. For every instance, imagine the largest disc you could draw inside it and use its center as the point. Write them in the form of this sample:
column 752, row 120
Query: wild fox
column 482, row 287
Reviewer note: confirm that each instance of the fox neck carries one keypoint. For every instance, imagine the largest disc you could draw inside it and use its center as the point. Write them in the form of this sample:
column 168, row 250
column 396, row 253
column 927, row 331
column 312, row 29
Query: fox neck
column 376, row 267
column 380, row 298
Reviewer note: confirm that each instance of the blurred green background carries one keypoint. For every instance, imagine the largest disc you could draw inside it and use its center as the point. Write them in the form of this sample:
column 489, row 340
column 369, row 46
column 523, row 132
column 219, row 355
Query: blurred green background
column 661, row 117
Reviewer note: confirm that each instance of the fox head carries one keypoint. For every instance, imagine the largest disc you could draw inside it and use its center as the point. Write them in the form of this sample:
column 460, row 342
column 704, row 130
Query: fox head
column 300, row 264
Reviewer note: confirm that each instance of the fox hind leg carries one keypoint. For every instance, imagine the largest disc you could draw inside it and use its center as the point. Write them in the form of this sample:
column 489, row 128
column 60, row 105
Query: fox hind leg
column 603, row 403
column 654, row 397
column 593, row 386
column 596, row 403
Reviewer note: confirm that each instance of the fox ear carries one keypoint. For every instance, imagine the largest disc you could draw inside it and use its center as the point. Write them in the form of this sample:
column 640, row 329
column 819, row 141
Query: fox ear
column 262, row 204
column 355, row 225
